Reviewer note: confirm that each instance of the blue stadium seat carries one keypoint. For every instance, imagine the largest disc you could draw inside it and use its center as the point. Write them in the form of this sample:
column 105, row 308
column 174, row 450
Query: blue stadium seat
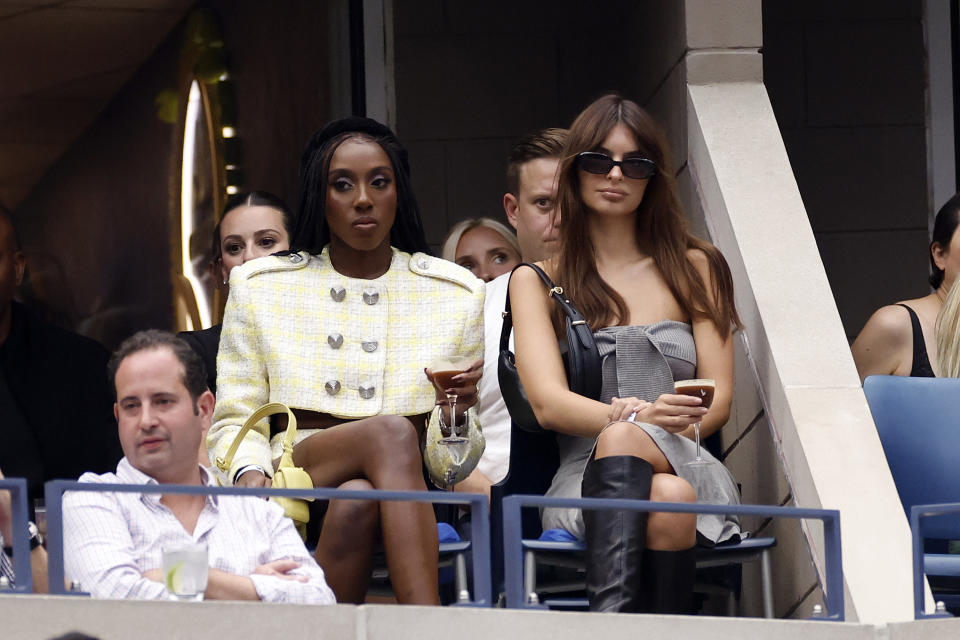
column 533, row 461
column 558, row 547
column 918, row 421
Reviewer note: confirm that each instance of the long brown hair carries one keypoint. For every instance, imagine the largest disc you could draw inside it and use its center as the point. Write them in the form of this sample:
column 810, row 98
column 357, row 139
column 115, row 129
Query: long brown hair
column 661, row 227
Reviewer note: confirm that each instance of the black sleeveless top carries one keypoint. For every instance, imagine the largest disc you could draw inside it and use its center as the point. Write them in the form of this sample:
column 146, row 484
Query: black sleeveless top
column 921, row 362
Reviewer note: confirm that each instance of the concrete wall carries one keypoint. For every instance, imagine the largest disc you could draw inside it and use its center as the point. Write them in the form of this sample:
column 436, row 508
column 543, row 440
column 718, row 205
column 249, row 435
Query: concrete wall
column 820, row 427
column 847, row 83
column 41, row 617
column 749, row 447
column 472, row 77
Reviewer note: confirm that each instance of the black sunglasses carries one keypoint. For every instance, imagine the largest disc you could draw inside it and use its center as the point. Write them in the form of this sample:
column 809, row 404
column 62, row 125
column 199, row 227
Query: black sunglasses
column 601, row 164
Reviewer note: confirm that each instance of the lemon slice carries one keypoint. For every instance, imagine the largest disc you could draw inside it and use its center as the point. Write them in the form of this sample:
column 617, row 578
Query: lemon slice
column 173, row 580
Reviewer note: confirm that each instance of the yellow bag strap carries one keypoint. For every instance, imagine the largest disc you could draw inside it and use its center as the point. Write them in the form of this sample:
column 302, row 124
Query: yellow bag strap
column 267, row 410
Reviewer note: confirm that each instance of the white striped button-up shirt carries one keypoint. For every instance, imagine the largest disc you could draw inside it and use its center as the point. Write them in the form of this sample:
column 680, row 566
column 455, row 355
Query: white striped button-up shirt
column 6, row 565
column 111, row 539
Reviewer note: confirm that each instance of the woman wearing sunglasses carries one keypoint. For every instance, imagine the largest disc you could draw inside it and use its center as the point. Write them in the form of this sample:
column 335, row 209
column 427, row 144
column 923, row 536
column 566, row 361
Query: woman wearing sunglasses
column 660, row 303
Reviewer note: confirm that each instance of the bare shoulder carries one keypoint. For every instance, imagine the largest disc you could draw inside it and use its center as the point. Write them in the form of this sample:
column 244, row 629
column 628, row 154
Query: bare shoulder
column 884, row 345
column 706, row 270
column 891, row 321
column 698, row 258
column 524, row 284
column 525, row 277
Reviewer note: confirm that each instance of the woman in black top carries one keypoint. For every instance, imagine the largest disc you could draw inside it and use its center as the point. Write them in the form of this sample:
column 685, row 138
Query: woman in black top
column 900, row 339
column 253, row 225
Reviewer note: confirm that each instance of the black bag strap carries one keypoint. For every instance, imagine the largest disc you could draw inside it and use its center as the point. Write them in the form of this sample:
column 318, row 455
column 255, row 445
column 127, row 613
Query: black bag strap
column 579, row 335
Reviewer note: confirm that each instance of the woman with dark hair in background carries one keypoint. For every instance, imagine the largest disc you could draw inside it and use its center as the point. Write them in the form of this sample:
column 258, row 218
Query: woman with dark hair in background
column 342, row 330
column 660, row 303
column 253, row 225
column 900, row 339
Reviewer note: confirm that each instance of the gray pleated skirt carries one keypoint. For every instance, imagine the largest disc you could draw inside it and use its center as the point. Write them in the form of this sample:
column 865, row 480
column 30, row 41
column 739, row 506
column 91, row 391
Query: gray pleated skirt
column 644, row 362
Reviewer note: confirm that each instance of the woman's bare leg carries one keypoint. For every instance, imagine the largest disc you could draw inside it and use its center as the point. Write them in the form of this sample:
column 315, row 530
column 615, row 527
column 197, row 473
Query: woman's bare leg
column 385, row 450
column 346, row 545
column 665, row 531
column 671, row 531
column 627, row 439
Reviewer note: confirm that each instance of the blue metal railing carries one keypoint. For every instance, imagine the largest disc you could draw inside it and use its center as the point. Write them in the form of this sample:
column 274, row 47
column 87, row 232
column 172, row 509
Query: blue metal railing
column 480, row 527
column 21, row 535
column 916, row 513
column 513, row 552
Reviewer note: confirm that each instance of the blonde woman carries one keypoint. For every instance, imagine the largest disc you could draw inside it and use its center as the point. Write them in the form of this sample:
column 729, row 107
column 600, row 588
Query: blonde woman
column 948, row 335
column 484, row 246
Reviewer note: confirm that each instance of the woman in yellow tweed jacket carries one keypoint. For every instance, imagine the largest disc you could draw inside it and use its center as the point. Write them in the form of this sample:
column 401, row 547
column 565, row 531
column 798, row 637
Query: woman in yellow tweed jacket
column 342, row 330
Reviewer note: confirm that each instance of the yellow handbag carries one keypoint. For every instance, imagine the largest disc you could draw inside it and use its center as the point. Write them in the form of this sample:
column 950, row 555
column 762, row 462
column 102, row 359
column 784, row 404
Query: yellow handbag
column 287, row 475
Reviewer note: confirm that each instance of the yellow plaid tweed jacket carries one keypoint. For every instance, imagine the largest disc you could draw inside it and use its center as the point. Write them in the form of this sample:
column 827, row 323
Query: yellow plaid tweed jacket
column 295, row 331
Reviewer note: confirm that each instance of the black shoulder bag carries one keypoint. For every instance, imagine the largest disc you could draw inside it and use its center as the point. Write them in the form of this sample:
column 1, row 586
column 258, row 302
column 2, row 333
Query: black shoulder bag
column 581, row 361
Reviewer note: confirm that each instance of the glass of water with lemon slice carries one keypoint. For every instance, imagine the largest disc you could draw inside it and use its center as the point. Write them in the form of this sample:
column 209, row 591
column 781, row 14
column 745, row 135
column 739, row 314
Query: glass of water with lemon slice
column 185, row 570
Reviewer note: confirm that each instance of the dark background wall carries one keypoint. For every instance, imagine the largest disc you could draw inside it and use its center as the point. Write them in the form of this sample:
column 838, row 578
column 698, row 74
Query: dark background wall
column 847, row 83
column 96, row 228
column 472, row 77
column 280, row 63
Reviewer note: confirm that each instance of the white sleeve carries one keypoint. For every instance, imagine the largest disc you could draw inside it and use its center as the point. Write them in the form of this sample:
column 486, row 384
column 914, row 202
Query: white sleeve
column 287, row 544
column 98, row 549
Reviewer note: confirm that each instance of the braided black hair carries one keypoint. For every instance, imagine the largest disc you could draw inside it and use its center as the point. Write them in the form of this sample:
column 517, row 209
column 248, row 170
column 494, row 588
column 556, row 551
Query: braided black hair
column 311, row 232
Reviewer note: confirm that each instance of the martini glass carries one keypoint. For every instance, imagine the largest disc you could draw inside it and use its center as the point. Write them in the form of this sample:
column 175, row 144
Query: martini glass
column 454, row 436
column 702, row 388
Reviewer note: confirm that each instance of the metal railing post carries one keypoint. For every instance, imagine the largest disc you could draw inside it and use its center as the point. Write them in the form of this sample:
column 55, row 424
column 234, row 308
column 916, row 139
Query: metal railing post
column 21, row 535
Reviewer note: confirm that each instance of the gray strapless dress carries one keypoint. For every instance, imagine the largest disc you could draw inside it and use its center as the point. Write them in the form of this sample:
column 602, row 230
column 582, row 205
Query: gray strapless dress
column 644, row 361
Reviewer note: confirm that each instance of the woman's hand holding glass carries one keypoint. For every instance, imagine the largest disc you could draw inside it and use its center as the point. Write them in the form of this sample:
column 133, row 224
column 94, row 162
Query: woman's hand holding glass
column 455, row 381
column 671, row 412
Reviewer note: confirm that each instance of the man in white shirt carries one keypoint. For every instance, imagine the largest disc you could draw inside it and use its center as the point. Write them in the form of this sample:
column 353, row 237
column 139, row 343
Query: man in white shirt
column 113, row 542
column 531, row 207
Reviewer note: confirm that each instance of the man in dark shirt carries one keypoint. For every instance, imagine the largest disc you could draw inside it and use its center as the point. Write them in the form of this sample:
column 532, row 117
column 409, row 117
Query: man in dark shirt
column 56, row 418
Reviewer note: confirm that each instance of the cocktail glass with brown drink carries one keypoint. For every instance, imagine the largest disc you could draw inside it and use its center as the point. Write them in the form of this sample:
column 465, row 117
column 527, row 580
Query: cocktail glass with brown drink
column 704, row 389
column 454, row 436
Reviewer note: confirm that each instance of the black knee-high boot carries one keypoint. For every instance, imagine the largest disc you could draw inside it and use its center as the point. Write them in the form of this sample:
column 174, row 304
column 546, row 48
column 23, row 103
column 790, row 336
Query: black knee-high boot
column 668, row 580
column 615, row 539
